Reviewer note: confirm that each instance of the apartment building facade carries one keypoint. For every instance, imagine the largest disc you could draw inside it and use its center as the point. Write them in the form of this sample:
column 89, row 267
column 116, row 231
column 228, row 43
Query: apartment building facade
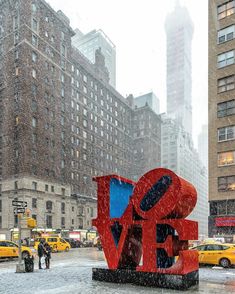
column 61, row 122
column 221, row 118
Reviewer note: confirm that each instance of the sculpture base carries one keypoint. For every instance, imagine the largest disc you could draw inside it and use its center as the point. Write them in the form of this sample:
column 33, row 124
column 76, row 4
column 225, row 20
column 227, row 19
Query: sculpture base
column 177, row 282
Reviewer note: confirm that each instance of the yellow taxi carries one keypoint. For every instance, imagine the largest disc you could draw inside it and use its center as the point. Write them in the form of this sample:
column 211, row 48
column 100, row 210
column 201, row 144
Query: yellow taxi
column 9, row 249
column 56, row 243
column 216, row 253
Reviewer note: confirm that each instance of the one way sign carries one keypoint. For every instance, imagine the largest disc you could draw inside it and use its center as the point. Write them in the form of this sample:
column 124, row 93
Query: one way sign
column 19, row 203
column 18, row 210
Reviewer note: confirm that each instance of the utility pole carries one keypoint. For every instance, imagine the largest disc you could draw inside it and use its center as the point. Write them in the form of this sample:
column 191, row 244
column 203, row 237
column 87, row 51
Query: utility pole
column 20, row 266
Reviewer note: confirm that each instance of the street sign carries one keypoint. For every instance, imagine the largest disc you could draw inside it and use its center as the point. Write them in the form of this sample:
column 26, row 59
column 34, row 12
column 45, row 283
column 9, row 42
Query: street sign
column 19, row 203
column 18, row 210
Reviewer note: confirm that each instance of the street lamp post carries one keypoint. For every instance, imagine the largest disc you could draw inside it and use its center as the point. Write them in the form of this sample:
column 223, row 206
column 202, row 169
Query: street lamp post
column 20, row 268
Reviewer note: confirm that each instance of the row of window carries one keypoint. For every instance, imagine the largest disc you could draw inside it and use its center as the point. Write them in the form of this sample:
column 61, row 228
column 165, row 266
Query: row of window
column 49, row 206
column 35, row 187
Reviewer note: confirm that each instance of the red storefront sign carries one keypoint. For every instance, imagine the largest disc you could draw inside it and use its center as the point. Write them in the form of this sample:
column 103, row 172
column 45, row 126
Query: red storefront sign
column 225, row 222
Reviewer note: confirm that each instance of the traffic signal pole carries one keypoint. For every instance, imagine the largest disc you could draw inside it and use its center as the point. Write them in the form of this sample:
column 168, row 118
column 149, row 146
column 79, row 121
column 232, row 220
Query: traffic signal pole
column 20, row 266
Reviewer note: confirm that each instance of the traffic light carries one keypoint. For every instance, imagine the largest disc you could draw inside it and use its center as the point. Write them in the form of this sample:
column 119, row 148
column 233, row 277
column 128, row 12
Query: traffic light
column 31, row 223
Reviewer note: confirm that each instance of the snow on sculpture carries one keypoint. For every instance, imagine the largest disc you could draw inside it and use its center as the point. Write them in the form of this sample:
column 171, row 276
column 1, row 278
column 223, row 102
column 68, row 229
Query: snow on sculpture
column 147, row 219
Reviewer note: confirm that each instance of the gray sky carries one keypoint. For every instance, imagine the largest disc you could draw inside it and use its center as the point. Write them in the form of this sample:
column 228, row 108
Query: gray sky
column 136, row 27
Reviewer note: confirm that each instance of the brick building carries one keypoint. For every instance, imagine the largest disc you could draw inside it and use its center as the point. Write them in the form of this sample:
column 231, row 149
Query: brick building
column 61, row 122
column 222, row 118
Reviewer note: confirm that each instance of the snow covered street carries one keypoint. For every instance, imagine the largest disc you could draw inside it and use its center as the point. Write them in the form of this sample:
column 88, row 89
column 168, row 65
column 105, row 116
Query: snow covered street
column 71, row 272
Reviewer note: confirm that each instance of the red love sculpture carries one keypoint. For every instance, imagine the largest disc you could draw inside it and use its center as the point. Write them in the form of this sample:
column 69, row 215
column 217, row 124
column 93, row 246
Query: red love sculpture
column 147, row 219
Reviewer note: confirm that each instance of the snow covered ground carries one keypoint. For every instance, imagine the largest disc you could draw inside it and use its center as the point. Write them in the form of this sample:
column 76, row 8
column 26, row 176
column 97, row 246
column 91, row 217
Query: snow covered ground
column 71, row 273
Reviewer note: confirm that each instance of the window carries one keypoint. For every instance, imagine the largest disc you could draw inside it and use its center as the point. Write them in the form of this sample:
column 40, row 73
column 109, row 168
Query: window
column 46, row 188
column 34, row 122
column 226, row 108
column 16, row 38
column 34, row 40
column 34, row 25
column 226, row 9
column 84, row 112
column 34, row 7
column 84, row 134
column 63, row 50
column 34, row 73
column 226, row 158
column 49, row 205
column 226, row 184
column 85, row 123
column 226, row 34
column 226, row 84
column 49, row 221
column 52, row 189
column 230, row 207
column 62, row 221
column 213, row 247
column 0, row 205
column 34, row 202
column 16, row 120
column 226, row 133
column 62, row 92
column 225, row 59
column 34, row 185
column 62, row 207
column 85, row 78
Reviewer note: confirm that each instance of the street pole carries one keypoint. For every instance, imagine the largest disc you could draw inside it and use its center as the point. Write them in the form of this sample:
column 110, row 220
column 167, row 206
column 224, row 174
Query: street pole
column 20, row 266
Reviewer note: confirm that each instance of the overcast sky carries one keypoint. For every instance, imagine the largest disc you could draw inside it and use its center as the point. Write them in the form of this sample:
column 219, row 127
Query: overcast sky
column 136, row 27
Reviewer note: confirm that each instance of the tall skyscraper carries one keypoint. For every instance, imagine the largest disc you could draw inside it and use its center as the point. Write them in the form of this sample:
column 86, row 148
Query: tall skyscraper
column 178, row 152
column 179, row 30
column 222, row 118
column 90, row 42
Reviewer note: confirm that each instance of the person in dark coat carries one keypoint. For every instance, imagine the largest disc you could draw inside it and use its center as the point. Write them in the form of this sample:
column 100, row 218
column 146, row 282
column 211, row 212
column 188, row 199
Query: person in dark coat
column 47, row 255
column 41, row 252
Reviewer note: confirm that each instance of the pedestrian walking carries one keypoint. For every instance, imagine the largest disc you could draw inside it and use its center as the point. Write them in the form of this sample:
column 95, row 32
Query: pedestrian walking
column 41, row 252
column 47, row 255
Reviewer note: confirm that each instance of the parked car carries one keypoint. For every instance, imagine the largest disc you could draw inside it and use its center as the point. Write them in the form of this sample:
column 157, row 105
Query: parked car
column 216, row 253
column 88, row 243
column 74, row 243
column 56, row 243
column 9, row 249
